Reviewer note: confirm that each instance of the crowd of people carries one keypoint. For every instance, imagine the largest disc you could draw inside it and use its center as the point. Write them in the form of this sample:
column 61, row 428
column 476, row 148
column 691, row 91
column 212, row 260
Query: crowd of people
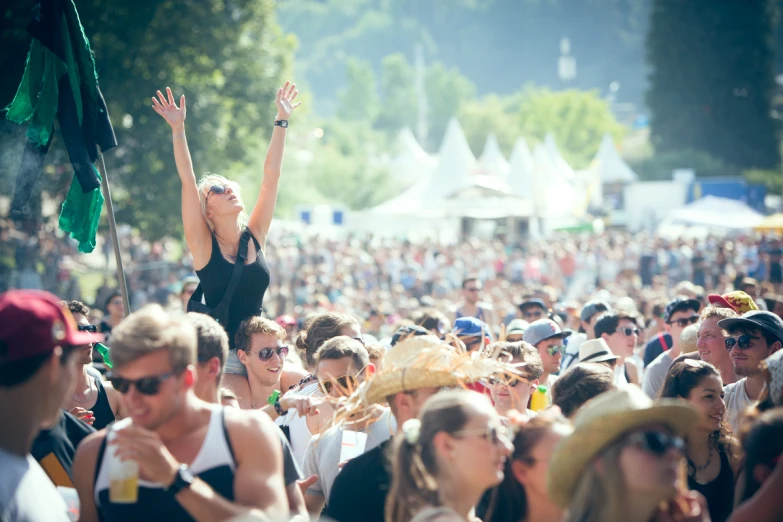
column 600, row 378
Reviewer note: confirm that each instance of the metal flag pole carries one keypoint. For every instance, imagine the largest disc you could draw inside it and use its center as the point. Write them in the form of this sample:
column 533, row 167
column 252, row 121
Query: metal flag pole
column 113, row 233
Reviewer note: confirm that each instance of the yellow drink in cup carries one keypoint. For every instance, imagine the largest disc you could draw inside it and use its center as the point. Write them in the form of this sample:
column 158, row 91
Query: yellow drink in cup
column 538, row 399
column 123, row 475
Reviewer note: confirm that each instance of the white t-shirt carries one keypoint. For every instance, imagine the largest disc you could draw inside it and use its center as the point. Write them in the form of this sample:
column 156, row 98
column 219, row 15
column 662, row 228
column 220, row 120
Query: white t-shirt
column 323, row 453
column 736, row 398
column 26, row 493
column 655, row 374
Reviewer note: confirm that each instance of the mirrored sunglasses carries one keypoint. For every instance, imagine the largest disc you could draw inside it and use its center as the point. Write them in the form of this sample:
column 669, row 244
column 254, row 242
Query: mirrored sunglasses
column 266, row 353
column 88, row 328
column 554, row 350
column 345, row 383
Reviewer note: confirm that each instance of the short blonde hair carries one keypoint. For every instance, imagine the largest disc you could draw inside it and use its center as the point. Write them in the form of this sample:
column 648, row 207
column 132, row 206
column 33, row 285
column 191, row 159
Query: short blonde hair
column 152, row 329
column 257, row 325
column 205, row 183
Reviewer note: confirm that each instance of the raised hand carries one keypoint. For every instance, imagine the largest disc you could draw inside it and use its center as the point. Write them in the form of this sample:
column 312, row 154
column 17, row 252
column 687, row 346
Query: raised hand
column 165, row 106
column 285, row 100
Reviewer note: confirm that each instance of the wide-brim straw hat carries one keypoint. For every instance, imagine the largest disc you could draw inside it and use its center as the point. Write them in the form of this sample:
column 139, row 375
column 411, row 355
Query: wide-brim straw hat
column 602, row 421
column 424, row 362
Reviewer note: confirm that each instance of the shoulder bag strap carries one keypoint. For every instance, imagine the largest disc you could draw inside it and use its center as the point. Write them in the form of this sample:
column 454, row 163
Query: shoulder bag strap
column 221, row 310
column 663, row 342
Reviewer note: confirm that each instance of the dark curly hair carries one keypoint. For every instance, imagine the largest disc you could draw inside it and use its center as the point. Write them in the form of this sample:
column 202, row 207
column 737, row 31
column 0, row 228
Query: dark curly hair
column 682, row 378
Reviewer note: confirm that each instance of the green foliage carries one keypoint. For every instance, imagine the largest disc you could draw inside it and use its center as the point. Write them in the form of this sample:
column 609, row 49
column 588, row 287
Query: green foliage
column 447, row 90
column 489, row 115
column 772, row 179
column 661, row 165
column 712, row 80
column 577, row 119
column 398, row 90
column 358, row 100
column 228, row 58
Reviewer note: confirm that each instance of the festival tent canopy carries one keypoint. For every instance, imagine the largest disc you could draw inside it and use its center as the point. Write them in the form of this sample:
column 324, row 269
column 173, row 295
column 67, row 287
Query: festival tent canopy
column 771, row 223
column 554, row 196
column 712, row 211
column 609, row 166
column 558, row 160
column 411, row 162
column 520, row 176
column 492, row 161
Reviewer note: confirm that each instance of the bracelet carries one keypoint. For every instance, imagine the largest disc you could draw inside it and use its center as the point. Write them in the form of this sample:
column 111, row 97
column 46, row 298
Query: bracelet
column 279, row 409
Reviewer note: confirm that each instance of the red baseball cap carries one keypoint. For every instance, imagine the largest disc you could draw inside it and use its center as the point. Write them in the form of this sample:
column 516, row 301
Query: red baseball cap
column 32, row 323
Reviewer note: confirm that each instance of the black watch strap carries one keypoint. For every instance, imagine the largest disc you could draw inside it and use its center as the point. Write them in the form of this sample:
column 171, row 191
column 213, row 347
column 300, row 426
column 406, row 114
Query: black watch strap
column 282, row 123
column 183, row 479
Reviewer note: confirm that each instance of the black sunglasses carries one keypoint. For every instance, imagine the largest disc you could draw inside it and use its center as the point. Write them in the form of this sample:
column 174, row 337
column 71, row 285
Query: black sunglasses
column 266, row 353
column 145, row 385
column 346, row 383
column 656, row 443
column 685, row 321
column 513, row 382
column 88, row 328
column 742, row 342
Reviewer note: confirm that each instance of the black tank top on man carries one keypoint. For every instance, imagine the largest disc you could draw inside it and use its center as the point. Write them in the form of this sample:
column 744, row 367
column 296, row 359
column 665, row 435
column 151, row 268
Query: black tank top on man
column 249, row 295
column 719, row 493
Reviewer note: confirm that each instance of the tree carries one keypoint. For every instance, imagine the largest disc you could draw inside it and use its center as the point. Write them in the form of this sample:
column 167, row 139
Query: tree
column 577, row 119
column 447, row 90
column 712, row 80
column 228, row 58
column 489, row 115
column 398, row 90
column 358, row 100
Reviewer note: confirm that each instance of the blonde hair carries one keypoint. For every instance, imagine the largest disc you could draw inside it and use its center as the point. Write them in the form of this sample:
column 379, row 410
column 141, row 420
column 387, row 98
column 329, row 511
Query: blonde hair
column 205, row 183
column 152, row 329
column 256, row 325
column 600, row 495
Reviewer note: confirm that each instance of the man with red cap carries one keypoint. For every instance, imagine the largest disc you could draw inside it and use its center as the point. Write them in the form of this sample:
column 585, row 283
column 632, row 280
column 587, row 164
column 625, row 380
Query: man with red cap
column 738, row 301
column 38, row 338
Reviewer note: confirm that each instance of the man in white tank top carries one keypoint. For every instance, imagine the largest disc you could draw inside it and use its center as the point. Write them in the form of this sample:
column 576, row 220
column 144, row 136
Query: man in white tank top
column 196, row 461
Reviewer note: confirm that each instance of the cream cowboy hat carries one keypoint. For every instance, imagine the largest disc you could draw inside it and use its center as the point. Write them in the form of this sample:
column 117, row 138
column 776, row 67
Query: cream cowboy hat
column 602, row 421
column 596, row 350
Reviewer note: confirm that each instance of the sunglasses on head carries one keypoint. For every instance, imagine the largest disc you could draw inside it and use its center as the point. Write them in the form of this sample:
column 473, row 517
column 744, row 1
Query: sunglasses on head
column 266, row 353
column 742, row 342
column 492, row 433
column 554, row 350
column 685, row 321
column 88, row 328
column 145, row 385
column 656, row 443
column 346, row 383
column 628, row 331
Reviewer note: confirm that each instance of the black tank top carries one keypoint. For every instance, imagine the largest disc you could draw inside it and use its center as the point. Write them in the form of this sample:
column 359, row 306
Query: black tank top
column 102, row 410
column 249, row 295
column 720, row 492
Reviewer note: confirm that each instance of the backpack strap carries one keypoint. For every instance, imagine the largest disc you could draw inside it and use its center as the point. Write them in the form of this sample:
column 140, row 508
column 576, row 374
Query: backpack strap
column 221, row 310
column 663, row 342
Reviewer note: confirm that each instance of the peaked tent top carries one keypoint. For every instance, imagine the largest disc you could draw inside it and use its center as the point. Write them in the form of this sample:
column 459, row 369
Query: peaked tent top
column 492, row 159
column 521, row 166
column 610, row 166
column 562, row 165
column 455, row 163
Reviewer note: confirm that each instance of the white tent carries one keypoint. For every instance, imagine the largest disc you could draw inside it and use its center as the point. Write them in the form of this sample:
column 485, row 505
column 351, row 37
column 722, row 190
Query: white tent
column 492, row 161
column 610, row 166
column 559, row 161
column 453, row 172
column 520, row 176
column 554, row 195
column 712, row 211
column 410, row 162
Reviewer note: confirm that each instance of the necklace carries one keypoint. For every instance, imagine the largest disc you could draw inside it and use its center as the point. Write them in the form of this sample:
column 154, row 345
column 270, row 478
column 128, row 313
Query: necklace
column 88, row 395
column 707, row 465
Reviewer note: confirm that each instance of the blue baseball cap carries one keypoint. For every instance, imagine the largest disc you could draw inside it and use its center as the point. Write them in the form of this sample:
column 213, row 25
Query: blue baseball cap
column 470, row 327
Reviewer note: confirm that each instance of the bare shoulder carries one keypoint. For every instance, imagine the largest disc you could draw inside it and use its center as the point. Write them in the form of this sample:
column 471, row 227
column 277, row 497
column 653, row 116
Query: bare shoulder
column 291, row 376
column 249, row 425
column 87, row 453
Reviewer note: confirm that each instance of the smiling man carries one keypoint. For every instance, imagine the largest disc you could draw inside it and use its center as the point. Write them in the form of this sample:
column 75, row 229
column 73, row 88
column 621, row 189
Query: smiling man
column 621, row 335
column 679, row 314
column 711, row 341
column 545, row 335
column 197, row 461
column 752, row 338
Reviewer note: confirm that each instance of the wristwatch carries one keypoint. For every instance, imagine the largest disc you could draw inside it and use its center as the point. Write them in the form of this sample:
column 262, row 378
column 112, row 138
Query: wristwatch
column 282, row 123
column 183, row 479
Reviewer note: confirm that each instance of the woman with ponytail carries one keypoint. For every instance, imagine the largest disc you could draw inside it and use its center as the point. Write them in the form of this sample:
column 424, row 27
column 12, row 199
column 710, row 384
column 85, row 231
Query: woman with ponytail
column 445, row 460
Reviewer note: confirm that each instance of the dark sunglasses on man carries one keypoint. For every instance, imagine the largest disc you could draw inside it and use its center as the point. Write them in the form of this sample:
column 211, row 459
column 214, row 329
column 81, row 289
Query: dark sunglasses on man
column 742, row 342
column 685, row 321
column 346, row 383
column 266, row 353
column 88, row 328
column 146, row 385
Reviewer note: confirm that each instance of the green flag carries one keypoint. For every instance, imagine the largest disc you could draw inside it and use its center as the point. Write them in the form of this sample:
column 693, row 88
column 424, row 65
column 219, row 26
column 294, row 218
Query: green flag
column 60, row 82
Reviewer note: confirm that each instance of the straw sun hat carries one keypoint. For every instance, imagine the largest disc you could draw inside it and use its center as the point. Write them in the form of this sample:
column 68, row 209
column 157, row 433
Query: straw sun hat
column 423, row 362
column 602, row 421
